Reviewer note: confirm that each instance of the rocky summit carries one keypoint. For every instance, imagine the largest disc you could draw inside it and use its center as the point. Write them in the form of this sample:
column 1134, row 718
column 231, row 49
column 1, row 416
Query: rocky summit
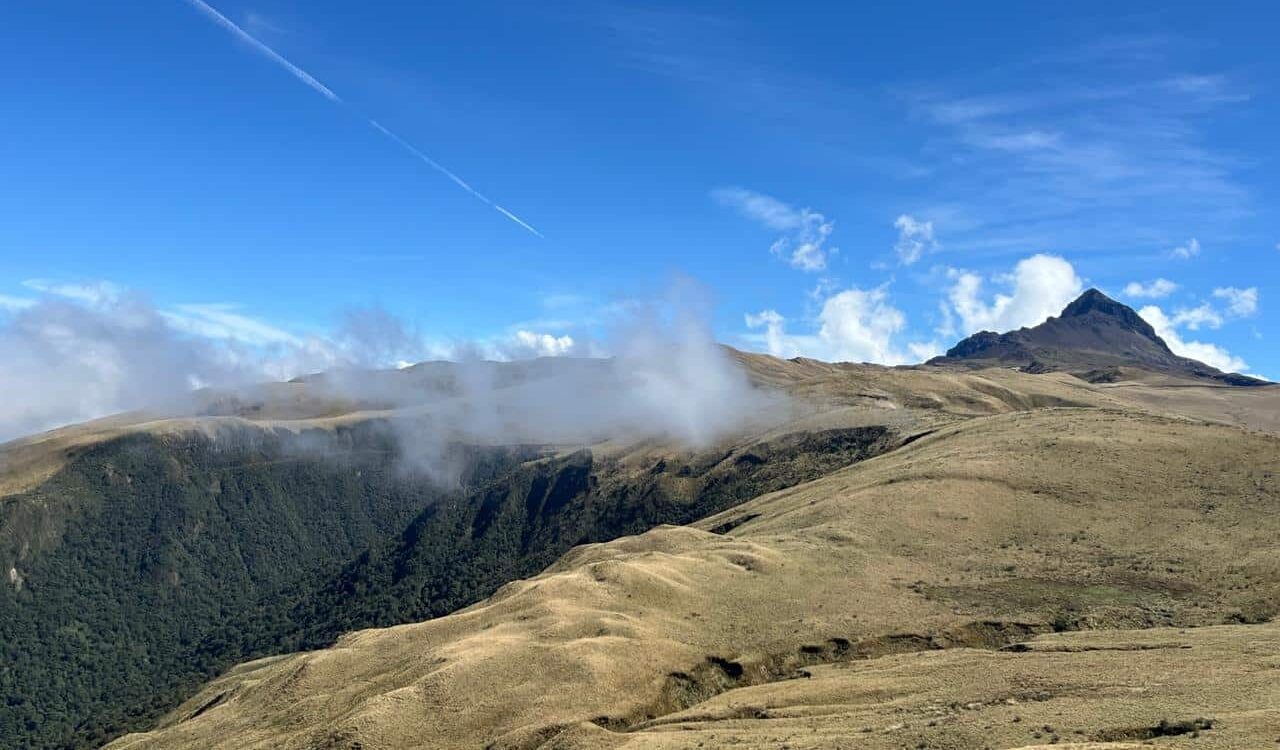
column 1093, row 337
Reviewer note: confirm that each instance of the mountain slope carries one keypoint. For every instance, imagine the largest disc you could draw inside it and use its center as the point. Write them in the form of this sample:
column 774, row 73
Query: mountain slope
column 454, row 553
column 981, row 534
column 124, row 564
column 147, row 565
column 1092, row 337
column 144, row 554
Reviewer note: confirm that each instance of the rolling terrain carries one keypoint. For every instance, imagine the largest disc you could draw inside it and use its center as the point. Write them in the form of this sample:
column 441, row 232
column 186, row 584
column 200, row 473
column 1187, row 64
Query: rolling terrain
column 950, row 555
column 992, row 532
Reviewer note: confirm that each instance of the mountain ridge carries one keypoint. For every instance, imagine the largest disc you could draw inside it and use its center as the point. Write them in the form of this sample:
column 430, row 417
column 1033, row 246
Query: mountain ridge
column 1092, row 338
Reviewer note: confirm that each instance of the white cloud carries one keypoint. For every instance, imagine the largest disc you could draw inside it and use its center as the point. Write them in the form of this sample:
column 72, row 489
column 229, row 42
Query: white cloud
column 1197, row 317
column 542, row 344
column 66, row 362
column 1041, row 286
column 854, row 325
column 862, row 325
column 258, row 24
column 1210, row 354
column 86, row 350
column 1156, row 289
column 806, row 231
column 775, row 337
column 915, row 238
column 88, row 292
column 213, row 321
column 859, row 325
column 1242, row 303
column 925, row 350
column 221, row 321
column 1188, row 250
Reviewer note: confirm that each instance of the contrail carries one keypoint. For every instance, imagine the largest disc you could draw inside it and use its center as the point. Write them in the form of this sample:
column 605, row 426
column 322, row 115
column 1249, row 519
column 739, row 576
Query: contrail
column 212, row 13
column 245, row 36
column 444, row 171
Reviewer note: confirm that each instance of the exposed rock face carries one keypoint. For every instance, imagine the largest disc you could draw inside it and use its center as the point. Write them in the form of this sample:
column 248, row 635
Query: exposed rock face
column 1094, row 334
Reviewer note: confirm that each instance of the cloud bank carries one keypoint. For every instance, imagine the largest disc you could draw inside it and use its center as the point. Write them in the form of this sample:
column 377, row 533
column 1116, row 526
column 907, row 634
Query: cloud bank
column 84, row 351
column 66, row 362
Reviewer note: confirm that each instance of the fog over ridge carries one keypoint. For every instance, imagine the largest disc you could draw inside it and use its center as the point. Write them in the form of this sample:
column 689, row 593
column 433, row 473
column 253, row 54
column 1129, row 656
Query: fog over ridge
column 68, row 361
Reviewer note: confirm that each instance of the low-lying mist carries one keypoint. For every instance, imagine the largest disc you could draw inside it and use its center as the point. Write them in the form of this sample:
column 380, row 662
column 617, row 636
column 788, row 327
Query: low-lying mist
column 665, row 377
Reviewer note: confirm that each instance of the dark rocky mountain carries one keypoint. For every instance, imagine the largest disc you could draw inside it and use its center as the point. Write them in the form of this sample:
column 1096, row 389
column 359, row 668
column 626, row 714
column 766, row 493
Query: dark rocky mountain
column 1092, row 338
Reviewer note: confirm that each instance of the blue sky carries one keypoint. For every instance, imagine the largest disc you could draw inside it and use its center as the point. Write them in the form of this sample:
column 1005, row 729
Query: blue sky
column 844, row 182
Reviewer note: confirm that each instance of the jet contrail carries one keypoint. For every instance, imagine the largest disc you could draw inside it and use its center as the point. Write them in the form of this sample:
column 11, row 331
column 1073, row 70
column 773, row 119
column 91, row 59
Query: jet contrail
column 212, row 13
column 245, row 36
column 457, row 180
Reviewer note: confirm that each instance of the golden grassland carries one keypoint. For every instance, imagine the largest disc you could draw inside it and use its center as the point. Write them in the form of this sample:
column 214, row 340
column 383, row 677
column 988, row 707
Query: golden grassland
column 1046, row 561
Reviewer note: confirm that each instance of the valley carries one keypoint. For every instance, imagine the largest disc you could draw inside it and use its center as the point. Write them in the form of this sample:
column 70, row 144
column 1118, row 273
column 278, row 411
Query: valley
column 887, row 557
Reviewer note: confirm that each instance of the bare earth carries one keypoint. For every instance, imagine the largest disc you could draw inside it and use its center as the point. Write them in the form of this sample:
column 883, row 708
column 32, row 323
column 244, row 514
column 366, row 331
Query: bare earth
column 909, row 601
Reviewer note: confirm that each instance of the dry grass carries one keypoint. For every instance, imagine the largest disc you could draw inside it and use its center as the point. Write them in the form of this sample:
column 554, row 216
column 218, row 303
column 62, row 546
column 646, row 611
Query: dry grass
column 1036, row 503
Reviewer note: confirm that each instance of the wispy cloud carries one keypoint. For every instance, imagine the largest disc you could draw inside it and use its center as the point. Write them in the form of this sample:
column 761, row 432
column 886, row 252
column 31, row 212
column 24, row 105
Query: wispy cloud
column 1240, row 302
column 1152, row 289
column 806, row 231
column 90, row 292
column 259, row 24
column 1210, row 354
column 1189, row 249
column 723, row 61
column 1195, row 318
column 915, row 238
column 1214, row 88
column 11, row 303
column 1099, row 145
column 315, row 85
column 222, row 321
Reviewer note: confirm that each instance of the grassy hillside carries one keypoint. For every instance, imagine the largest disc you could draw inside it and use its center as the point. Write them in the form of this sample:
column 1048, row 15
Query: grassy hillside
column 150, row 563
column 126, row 563
column 984, row 533
column 456, row 553
column 141, row 557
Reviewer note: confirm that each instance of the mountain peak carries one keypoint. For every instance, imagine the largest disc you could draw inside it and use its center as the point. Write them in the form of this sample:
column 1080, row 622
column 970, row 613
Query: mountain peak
column 1093, row 334
column 1094, row 301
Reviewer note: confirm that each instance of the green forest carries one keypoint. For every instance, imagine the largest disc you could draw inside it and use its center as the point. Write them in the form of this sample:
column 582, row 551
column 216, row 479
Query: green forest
column 151, row 563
